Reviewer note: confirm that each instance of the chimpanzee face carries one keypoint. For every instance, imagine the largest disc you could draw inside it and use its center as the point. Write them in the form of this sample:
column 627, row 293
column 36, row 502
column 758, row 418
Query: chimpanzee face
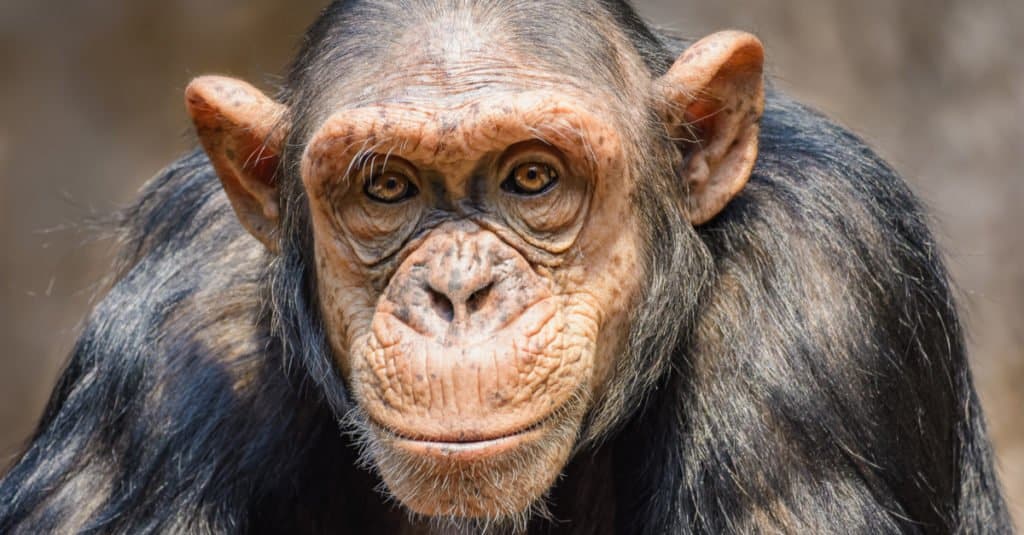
column 478, row 254
column 470, row 286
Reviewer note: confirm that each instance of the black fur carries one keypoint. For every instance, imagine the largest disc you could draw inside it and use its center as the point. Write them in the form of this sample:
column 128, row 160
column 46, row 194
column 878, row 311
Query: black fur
column 815, row 378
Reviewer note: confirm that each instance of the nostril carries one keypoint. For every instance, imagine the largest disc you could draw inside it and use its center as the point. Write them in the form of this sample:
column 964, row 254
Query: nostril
column 477, row 300
column 442, row 305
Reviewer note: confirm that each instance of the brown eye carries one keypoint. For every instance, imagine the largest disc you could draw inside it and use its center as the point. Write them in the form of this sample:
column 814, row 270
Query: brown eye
column 389, row 187
column 530, row 179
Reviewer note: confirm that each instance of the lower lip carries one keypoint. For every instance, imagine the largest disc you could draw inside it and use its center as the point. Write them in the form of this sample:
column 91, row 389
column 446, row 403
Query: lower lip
column 466, row 451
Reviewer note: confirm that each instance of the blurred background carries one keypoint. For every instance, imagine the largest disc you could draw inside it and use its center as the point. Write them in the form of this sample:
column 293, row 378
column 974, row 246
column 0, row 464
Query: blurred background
column 91, row 106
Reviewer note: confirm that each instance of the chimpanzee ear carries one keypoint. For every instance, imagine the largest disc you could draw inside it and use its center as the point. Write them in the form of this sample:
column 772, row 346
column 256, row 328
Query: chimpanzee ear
column 714, row 98
column 239, row 127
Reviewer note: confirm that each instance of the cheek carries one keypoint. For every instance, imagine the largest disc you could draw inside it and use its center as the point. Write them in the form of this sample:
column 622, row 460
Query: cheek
column 346, row 305
column 614, row 294
column 610, row 274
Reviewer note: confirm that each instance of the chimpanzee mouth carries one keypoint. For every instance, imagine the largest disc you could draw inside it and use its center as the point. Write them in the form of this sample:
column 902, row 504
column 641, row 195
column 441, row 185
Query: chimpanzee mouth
column 465, row 449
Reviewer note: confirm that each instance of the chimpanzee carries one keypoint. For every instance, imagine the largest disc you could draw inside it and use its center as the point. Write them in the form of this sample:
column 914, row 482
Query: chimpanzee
column 515, row 266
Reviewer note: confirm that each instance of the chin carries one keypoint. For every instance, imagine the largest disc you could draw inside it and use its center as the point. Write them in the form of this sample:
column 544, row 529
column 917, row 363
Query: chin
column 497, row 480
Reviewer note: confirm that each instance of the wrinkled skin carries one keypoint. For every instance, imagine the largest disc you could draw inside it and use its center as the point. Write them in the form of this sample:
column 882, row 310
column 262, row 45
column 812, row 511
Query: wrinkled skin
column 477, row 254
column 486, row 335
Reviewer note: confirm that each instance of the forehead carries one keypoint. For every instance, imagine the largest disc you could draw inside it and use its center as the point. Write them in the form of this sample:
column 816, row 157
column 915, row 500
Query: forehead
column 438, row 136
column 448, row 51
column 448, row 81
column 440, row 77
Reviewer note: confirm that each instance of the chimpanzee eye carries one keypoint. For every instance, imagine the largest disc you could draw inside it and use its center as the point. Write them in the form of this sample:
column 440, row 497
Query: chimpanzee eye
column 389, row 187
column 530, row 179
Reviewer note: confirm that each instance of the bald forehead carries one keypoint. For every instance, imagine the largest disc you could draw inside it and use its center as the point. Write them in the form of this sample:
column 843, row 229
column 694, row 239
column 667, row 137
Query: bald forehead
column 457, row 59
column 450, row 48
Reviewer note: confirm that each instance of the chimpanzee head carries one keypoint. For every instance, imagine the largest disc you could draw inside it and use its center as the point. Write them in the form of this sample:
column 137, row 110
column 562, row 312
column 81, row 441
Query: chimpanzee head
column 484, row 202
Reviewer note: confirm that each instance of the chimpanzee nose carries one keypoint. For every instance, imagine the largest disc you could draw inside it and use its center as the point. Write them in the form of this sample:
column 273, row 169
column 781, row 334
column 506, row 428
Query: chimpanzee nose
column 460, row 283
column 457, row 303
column 463, row 284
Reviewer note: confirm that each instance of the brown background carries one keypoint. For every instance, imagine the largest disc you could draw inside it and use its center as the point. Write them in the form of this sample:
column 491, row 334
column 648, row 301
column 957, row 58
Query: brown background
column 90, row 106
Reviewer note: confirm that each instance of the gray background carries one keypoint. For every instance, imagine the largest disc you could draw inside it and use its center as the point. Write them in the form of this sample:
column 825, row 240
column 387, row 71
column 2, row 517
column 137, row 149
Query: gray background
column 91, row 105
